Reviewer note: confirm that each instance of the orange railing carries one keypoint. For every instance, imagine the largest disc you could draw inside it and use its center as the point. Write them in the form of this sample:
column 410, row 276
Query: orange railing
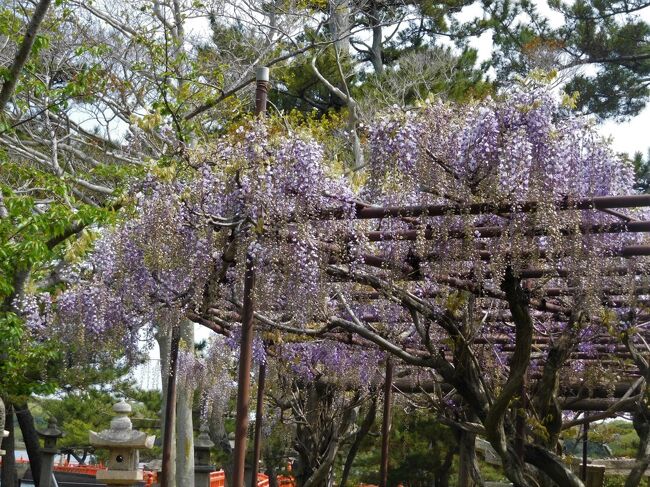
column 82, row 469
column 284, row 481
column 218, row 479
column 150, row 478
column 262, row 480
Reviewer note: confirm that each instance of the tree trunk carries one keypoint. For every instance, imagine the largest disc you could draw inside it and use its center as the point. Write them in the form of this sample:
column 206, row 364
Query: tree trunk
column 271, row 474
column 9, row 477
column 30, row 437
column 340, row 26
column 220, row 438
column 551, row 465
column 468, row 472
column 308, row 450
column 11, row 78
column 364, row 429
column 642, row 428
column 377, row 38
column 259, row 413
column 321, row 476
column 386, row 424
column 442, row 476
column 319, row 433
column 168, row 474
column 184, row 425
column 164, row 339
column 495, row 421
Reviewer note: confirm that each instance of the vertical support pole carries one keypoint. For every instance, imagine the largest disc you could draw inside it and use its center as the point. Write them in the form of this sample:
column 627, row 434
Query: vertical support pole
column 386, row 423
column 262, row 90
column 585, row 441
column 246, row 345
column 170, row 410
column 244, row 383
column 257, row 445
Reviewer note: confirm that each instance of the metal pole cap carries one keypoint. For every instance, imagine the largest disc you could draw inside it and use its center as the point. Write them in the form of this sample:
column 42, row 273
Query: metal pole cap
column 262, row 73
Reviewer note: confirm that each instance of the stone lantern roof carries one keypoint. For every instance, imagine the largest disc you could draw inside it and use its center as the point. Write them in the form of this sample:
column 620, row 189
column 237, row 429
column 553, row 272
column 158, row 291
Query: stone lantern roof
column 121, row 432
column 203, row 440
column 52, row 430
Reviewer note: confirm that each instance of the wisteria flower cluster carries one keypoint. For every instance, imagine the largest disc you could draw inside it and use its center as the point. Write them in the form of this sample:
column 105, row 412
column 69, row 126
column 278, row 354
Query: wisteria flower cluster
column 148, row 269
column 276, row 186
column 210, row 373
column 518, row 147
column 342, row 363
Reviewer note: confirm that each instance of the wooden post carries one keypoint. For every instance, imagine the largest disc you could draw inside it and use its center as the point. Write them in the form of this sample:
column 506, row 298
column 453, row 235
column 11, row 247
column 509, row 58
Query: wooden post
column 257, row 444
column 595, row 476
column 262, row 90
column 170, row 410
column 244, row 378
column 386, row 424
column 246, row 345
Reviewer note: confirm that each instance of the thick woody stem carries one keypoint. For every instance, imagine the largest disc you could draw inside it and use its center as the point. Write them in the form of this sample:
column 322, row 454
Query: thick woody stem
column 23, row 52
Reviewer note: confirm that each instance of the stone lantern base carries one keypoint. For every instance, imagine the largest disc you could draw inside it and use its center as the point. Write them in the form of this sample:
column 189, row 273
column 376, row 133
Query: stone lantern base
column 120, row 477
column 3, row 434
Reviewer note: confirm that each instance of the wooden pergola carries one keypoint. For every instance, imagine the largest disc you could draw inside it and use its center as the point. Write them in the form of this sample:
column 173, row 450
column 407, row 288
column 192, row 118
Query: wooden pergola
column 608, row 351
column 383, row 279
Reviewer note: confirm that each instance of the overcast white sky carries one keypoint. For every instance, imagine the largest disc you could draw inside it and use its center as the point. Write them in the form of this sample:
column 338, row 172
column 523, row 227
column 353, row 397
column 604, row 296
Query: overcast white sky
column 630, row 136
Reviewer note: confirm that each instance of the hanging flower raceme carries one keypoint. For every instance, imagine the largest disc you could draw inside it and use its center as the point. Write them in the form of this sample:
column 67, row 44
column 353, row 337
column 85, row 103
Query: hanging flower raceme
column 520, row 146
column 344, row 364
column 150, row 268
column 275, row 185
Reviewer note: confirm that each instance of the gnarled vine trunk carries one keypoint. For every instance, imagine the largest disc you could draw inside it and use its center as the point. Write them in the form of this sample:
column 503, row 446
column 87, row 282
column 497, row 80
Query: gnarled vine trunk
column 469, row 474
column 31, row 439
column 641, row 423
column 364, row 429
column 551, row 465
column 322, row 424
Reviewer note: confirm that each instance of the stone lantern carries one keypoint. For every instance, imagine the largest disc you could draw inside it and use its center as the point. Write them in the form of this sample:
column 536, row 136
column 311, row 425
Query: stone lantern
column 50, row 436
column 3, row 433
column 123, row 444
column 202, row 467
